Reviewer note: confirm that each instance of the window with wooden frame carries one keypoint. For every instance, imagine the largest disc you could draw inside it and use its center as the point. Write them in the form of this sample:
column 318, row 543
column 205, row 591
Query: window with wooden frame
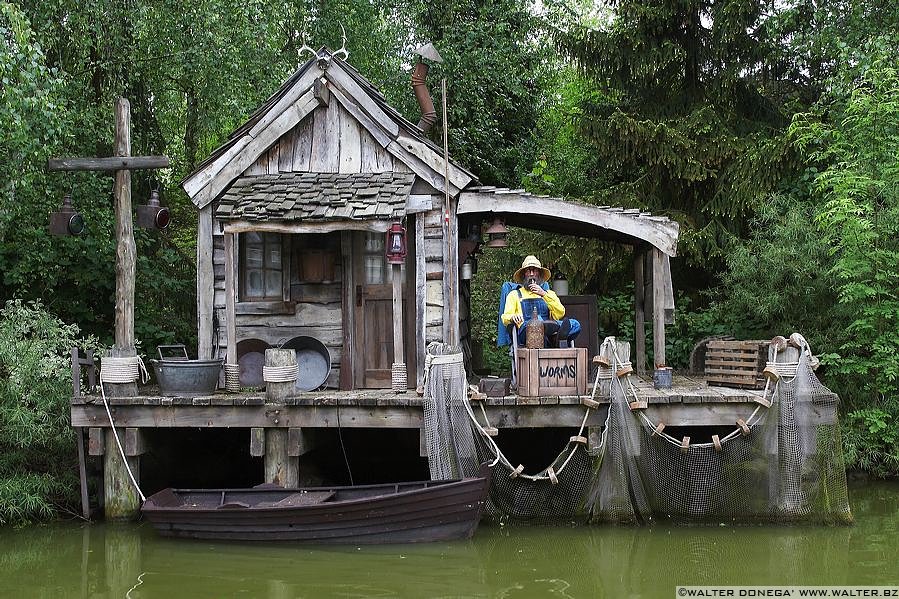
column 264, row 268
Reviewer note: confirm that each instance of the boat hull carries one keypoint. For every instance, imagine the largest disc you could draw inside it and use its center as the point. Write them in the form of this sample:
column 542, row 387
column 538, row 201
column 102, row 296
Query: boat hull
column 373, row 514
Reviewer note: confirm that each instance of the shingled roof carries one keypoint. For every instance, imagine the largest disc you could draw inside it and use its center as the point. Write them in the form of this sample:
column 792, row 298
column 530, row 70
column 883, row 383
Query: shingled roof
column 289, row 197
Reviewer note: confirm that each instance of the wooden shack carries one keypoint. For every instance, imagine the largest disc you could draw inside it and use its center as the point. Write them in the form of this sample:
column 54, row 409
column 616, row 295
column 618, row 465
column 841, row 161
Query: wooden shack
column 293, row 211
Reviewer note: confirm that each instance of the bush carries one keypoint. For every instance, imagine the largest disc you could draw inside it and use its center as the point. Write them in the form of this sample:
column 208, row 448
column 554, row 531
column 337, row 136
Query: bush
column 38, row 475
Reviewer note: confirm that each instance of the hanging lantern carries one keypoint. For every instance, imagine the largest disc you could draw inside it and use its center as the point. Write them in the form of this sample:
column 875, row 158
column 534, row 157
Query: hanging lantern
column 396, row 244
column 497, row 234
column 66, row 221
column 152, row 215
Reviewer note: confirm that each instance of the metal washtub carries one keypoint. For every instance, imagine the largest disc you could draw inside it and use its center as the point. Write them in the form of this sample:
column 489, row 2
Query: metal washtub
column 179, row 376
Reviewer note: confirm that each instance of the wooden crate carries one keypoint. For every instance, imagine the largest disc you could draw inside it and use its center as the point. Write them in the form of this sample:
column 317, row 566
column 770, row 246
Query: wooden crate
column 544, row 372
column 736, row 363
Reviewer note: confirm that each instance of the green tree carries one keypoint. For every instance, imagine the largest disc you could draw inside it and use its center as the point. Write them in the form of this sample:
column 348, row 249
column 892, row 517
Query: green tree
column 38, row 476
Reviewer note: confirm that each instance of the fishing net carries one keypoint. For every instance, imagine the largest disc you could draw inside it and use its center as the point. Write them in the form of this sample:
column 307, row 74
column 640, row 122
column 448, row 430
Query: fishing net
column 458, row 441
column 782, row 462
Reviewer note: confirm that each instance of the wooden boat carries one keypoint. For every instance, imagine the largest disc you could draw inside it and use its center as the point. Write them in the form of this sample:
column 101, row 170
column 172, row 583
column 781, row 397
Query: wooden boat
column 406, row 512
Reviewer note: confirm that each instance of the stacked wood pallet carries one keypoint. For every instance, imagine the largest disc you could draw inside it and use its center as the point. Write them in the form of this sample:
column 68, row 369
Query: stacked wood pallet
column 736, row 363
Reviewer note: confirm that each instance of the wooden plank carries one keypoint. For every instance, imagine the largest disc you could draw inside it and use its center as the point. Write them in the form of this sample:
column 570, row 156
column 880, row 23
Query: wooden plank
column 135, row 443
column 418, row 203
column 299, row 442
column 343, row 82
column 419, row 167
column 96, row 441
column 121, row 498
column 325, row 155
column 435, row 161
column 286, row 151
column 302, row 144
column 255, row 147
column 376, row 131
column 205, row 283
column 348, row 365
column 257, row 442
column 350, row 160
column 312, row 228
column 112, row 163
column 273, row 155
column 397, row 312
column 420, row 297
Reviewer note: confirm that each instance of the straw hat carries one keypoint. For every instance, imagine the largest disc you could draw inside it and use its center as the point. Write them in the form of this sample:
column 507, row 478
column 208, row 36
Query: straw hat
column 530, row 261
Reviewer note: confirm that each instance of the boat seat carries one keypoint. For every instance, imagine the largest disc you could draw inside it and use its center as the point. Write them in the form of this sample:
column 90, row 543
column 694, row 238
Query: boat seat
column 300, row 499
column 233, row 505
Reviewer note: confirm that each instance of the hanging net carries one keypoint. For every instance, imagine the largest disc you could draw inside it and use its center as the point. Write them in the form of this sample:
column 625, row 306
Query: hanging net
column 782, row 462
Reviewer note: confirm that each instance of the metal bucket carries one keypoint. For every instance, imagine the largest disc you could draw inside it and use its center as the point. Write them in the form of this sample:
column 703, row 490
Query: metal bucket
column 313, row 360
column 180, row 377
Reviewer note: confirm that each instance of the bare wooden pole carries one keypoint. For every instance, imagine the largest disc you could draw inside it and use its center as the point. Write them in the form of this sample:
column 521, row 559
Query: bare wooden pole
column 125, row 252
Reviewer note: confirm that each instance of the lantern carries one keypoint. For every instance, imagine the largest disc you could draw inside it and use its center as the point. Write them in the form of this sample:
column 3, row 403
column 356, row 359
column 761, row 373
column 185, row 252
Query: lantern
column 497, row 233
column 152, row 215
column 66, row 221
column 396, row 244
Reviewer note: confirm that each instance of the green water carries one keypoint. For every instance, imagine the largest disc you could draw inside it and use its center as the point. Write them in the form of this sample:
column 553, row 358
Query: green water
column 73, row 560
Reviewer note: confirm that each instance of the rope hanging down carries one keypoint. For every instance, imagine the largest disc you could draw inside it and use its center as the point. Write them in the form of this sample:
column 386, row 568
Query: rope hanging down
column 122, row 370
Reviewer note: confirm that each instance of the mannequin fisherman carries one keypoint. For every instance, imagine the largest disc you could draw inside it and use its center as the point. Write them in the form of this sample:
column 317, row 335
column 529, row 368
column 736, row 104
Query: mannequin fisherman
column 530, row 294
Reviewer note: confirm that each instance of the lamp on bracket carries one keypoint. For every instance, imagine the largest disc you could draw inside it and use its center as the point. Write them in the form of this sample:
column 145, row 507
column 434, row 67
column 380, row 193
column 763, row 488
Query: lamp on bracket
column 66, row 221
column 152, row 215
column 497, row 233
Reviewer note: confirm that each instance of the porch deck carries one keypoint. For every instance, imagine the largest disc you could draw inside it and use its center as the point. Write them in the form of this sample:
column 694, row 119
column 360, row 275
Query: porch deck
column 690, row 402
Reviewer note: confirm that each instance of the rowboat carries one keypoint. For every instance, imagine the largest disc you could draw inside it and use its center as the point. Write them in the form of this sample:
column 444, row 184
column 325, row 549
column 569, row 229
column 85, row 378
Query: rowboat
column 407, row 512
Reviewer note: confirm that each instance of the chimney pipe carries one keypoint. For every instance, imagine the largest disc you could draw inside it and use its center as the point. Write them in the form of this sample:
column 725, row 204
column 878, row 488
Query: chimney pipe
column 428, row 113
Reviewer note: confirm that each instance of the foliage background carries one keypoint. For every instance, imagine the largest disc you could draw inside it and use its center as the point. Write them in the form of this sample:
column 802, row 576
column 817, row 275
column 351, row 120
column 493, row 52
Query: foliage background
column 768, row 131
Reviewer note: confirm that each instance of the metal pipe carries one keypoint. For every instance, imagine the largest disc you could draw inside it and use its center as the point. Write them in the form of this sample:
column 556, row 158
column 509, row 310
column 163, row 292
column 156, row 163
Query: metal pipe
column 428, row 113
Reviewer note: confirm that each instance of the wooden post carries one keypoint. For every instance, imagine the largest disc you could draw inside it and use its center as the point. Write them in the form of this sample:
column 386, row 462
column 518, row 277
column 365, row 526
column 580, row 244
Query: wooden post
column 639, row 312
column 658, row 308
column 126, row 251
column 280, row 467
column 230, row 310
column 82, row 474
column 205, row 284
column 122, row 500
column 421, row 294
column 396, row 279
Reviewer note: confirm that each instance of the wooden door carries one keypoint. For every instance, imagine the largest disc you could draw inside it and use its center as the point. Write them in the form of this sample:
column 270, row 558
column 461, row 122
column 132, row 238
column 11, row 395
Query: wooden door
column 374, row 312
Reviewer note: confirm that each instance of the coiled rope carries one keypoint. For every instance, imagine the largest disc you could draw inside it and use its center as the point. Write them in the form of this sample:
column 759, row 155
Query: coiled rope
column 281, row 374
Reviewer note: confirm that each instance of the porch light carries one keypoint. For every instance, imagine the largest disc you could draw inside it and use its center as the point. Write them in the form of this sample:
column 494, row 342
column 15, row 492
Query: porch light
column 396, row 244
column 496, row 233
column 152, row 215
column 66, row 221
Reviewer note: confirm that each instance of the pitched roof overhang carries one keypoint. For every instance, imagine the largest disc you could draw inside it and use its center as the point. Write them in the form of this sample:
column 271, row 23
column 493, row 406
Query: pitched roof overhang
column 310, row 87
column 556, row 215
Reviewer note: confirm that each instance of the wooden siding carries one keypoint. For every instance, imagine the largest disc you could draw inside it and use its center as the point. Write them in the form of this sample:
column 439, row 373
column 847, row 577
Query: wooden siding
column 330, row 140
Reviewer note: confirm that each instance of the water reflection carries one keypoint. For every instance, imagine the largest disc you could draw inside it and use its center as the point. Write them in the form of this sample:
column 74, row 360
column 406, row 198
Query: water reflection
column 130, row 561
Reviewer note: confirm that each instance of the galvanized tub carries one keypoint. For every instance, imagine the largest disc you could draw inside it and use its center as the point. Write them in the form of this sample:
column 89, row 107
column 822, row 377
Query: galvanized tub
column 179, row 376
column 313, row 361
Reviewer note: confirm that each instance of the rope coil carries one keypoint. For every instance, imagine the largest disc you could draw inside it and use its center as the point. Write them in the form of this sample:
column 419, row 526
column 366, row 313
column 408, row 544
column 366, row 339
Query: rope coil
column 280, row 374
column 123, row 370
column 232, row 377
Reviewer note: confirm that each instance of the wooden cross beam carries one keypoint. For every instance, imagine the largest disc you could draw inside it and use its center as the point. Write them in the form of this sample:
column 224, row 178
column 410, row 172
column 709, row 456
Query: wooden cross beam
column 122, row 164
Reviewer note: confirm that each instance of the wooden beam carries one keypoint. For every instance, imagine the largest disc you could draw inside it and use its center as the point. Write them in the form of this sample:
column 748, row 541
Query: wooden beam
column 397, row 284
column 379, row 132
column 639, row 312
column 112, row 163
column 205, row 284
column 661, row 233
column 230, row 300
column 279, row 466
column 376, row 226
column 122, row 499
column 658, row 308
column 257, row 442
column 135, row 443
column 421, row 293
column 434, row 160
